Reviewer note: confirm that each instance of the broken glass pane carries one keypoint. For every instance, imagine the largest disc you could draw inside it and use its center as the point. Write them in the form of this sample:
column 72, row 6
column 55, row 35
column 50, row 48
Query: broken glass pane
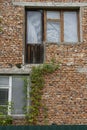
column 53, row 31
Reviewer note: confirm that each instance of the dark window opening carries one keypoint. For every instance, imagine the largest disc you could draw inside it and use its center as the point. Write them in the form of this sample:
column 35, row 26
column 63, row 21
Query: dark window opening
column 35, row 53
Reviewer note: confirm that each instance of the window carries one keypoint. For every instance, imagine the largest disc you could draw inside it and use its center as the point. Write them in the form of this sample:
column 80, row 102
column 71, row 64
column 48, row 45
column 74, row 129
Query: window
column 11, row 91
column 34, row 44
column 62, row 26
column 51, row 26
column 4, row 93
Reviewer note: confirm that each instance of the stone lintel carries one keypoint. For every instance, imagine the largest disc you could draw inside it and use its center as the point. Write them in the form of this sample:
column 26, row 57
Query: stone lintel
column 50, row 4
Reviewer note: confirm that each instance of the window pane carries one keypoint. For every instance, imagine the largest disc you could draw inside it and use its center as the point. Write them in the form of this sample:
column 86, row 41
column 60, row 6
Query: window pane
column 53, row 15
column 4, row 80
column 3, row 96
column 53, row 31
column 17, row 95
column 70, row 27
column 34, row 27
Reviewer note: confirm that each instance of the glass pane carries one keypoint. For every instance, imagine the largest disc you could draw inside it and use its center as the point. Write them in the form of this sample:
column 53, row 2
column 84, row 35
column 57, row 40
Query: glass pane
column 53, row 31
column 53, row 15
column 4, row 80
column 17, row 95
column 3, row 96
column 70, row 27
column 34, row 27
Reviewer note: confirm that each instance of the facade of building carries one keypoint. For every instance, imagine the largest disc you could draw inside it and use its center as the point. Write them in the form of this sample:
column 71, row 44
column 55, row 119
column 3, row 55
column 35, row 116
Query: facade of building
column 36, row 31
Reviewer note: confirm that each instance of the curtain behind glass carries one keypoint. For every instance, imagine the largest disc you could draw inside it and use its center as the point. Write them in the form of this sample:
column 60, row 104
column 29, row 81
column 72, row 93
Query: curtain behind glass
column 53, row 31
column 34, row 27
column 70, row 27
column 53, row 27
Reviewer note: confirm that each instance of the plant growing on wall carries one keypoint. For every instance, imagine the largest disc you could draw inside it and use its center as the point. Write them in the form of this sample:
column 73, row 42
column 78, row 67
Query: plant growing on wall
column 37, row 85
column 5, row 119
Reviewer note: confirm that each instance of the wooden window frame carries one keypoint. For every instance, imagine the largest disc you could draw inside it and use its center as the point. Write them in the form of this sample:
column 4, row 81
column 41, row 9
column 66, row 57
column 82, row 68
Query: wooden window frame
column 44, row 25
column 28, row 47
column 61, row 20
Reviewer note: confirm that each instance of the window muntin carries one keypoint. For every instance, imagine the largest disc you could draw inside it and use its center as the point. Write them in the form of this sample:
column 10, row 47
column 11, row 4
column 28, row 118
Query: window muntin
column 67, row 26
column 49, row 25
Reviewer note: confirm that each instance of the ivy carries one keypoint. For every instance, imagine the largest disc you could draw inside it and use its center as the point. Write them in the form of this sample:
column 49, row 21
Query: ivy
column 5, row 119
column 37, row 85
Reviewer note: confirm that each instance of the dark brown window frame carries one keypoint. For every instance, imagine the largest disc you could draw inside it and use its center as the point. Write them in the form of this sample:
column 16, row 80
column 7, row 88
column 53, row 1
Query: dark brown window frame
column 34, row 53
column 61, row 20
column 44, row 25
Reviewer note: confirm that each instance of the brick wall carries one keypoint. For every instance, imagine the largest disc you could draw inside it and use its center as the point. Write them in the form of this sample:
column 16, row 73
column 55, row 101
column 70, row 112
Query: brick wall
column 65, row 91
column 65, row 97
column 11, row 38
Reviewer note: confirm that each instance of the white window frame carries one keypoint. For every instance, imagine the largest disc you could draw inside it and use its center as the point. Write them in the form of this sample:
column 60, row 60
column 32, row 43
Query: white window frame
column 9, row 87
column 10, row 93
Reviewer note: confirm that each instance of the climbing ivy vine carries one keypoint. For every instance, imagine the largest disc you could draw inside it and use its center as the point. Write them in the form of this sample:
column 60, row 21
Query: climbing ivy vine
column 5, row 119
column 37, row 85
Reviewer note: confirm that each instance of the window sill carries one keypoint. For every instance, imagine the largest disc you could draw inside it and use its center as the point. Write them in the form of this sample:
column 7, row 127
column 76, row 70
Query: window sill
column 18, row 116
column 63, row 43
column 29, row 65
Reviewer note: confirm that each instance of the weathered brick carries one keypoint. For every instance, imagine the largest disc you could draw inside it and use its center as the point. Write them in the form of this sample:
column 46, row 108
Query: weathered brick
column 65, row 91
